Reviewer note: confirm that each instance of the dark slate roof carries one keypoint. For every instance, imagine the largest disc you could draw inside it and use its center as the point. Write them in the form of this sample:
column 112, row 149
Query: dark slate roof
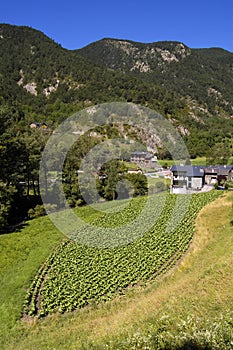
column 224, row 170
column 218, row 169
column 189, row 170
column 211, row 170
column 199, row 170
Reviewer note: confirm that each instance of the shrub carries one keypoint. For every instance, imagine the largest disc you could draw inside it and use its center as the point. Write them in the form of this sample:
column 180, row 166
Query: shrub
column 228, row 184
column 36, row 212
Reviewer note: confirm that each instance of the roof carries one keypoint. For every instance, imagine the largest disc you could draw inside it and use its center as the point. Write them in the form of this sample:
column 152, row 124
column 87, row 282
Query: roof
column 224, row 170
column 199, row 170
column 218, row 169
column 189, row 170
column 35, row 123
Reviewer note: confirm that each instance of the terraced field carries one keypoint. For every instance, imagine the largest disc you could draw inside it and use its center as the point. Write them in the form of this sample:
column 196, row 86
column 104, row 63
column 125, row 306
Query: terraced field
column 76, row 275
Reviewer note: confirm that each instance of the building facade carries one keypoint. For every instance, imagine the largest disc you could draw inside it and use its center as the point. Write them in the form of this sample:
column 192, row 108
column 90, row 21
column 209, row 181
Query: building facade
column 187, row 178
column 144, row 159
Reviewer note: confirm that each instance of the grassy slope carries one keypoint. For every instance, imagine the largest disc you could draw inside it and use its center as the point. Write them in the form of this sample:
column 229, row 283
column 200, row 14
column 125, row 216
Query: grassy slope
column 196, row 161
column 20, row 255
column 200, row 286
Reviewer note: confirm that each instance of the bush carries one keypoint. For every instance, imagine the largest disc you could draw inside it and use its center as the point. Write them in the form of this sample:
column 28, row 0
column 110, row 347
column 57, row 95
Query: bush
column 36, row 212
column 41, row 210
column 160, row 186
column 228, row 184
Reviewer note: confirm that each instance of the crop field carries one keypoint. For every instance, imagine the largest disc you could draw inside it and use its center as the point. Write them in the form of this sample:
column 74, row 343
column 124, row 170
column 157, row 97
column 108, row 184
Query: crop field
column 76, row 275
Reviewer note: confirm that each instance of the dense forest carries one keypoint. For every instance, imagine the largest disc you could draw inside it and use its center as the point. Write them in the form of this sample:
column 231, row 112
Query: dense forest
column 205, row 75
column 42, row 82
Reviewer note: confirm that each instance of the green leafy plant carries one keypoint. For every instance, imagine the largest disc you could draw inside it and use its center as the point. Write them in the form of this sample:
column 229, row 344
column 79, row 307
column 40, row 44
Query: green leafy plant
column 78, row 275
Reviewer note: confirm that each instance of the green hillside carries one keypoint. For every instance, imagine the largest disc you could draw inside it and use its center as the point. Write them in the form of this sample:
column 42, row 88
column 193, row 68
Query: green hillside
column 202, row 78
column 48, row 82
column 205, row 75
column 79, row 275
column 193, row 88
column 189, row 308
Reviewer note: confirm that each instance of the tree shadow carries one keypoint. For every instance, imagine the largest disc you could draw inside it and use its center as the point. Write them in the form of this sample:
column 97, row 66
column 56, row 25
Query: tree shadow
column 18, row 227
column 189, row 345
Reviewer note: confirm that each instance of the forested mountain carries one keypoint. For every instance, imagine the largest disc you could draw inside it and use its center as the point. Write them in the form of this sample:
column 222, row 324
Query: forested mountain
column 49, row 82
column 205, row 75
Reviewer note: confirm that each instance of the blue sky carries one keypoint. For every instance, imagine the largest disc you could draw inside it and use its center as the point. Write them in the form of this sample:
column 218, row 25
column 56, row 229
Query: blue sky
column 74, row 24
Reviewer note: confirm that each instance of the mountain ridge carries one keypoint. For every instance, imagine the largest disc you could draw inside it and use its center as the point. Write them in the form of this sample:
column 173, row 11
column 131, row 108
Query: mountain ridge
column 190, row 87
column 166, row 62
column 152, row 43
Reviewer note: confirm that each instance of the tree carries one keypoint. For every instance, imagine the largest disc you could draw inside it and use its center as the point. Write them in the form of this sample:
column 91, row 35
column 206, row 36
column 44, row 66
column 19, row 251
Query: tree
column 109, row 180
column 139, row 183
column 219, row 153
column 7, row 193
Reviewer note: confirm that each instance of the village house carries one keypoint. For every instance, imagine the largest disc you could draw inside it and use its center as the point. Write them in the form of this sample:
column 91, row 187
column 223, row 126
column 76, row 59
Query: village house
column 187, row 177
column 44, row 126
column 218, row 173
column 144, row 159
column 37, row 125
column 134, row 171
column 34, row 125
